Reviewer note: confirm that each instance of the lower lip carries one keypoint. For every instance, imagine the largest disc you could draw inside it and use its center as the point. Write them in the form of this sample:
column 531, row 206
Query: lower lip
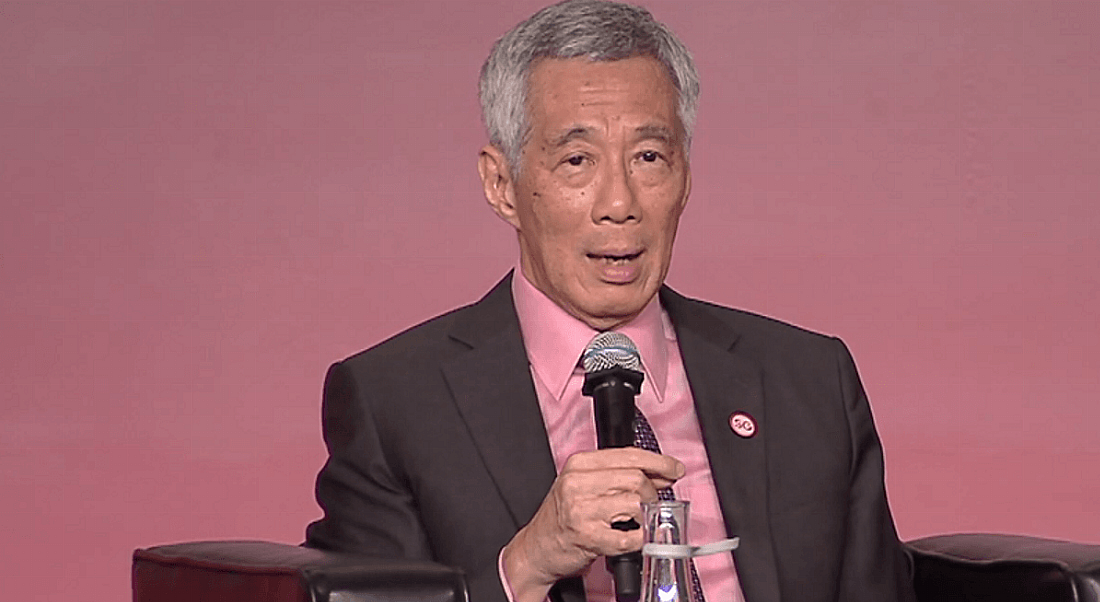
column 623, row 272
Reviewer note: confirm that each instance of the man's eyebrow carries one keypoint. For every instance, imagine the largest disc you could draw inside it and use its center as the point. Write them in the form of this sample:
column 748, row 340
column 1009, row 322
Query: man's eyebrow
column 577, row 131
column 660, row 132
column 645, row 132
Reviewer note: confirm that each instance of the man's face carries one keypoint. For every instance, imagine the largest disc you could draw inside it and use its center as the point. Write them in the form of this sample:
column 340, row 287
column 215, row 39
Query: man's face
column 603, row 182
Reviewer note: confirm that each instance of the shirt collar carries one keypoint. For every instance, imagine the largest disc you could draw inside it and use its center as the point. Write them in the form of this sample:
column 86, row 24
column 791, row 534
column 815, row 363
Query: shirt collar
column 555, row 340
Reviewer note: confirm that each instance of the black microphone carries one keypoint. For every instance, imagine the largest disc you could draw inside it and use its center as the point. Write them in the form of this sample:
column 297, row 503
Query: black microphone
column 612, row 379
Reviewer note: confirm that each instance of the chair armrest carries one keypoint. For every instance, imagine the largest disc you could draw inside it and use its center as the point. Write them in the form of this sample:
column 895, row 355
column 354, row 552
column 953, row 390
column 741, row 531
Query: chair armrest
column 1006, row 568
column 255, row 571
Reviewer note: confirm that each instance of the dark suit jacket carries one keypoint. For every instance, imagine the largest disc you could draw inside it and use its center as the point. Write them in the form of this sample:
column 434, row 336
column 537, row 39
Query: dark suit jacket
column 438, row 451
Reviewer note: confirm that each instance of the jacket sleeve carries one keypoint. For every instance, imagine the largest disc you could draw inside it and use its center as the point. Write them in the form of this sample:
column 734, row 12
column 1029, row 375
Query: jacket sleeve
column 368, row 503
column 367, row 509
column 874, row 565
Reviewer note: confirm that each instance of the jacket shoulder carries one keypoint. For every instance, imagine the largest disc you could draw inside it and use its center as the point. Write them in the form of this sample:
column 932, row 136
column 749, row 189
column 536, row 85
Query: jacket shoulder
column 749, row 329
column 413, row 345
column 447, row 334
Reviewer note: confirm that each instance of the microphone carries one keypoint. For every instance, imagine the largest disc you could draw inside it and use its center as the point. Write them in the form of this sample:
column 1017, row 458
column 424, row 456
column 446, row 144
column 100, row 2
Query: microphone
column 612, row 378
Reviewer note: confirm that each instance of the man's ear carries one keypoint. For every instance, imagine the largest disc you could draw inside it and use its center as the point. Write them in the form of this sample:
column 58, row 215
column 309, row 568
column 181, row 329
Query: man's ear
column 496, row 179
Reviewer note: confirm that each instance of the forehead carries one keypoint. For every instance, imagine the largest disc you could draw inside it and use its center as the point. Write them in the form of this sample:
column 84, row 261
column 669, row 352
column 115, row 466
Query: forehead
column 639, row 88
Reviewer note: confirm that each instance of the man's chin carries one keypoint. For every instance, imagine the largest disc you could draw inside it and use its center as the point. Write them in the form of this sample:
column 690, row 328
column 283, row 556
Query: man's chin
column 609, row 316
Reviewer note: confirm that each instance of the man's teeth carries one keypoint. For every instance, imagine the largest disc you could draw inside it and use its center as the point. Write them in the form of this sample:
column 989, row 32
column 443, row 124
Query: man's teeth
column 615, row 259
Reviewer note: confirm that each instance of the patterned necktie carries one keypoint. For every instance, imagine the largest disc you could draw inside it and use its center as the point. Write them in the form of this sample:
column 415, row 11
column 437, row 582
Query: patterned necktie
column 647, row 440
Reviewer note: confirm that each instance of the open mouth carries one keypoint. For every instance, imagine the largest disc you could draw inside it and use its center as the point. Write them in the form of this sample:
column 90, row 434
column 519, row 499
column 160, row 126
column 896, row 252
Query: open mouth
column 614, row 259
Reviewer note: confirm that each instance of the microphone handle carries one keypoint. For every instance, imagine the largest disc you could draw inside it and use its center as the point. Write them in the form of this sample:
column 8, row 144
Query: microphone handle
column 613, row 391
column 613, row 402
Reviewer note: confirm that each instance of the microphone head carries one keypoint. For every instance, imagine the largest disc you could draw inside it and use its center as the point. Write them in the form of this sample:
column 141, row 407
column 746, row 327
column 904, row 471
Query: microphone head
column 611, row 350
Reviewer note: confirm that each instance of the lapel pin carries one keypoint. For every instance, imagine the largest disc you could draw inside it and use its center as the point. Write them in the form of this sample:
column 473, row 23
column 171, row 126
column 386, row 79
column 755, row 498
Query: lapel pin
column 743, row 424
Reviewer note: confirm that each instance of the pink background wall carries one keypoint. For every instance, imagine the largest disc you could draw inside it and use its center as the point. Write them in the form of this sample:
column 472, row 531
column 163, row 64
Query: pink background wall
column 205, row 203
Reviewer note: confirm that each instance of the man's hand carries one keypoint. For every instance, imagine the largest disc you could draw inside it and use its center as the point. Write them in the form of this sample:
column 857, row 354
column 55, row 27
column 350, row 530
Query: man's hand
column 573, row 525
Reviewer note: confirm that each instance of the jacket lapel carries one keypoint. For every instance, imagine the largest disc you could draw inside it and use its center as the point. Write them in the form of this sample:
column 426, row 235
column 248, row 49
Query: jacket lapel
column 492, row 387
column 723, row 383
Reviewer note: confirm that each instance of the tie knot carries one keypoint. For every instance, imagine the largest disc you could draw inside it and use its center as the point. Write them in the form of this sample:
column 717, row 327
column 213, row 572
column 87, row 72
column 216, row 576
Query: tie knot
column 609, row 350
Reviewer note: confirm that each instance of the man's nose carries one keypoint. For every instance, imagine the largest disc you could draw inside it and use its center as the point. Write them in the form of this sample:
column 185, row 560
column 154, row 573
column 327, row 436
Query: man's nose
column 616, row 201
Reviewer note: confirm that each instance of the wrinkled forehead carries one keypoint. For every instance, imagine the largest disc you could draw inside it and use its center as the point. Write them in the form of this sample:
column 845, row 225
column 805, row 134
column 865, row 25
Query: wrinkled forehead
column 561, row 90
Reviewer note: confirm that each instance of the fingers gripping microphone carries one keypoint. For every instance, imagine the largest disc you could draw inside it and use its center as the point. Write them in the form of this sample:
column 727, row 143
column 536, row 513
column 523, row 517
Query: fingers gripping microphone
column 612, row 378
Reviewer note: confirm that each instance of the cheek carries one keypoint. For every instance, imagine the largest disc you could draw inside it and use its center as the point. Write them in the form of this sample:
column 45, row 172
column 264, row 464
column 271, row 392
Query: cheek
column 557, row 216
column 673, row 220
column 668, row 218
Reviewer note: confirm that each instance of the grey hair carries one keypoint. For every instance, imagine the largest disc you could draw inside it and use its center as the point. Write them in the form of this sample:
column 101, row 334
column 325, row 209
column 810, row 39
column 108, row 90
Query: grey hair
column 596, row 29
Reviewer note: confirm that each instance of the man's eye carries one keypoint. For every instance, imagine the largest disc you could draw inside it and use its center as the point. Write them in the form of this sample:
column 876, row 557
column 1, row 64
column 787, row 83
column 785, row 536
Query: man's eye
column 650, row 156
column 575, row 160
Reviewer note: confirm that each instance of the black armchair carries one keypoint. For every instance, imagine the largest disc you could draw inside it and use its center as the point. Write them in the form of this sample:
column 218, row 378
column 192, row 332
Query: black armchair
column 946, row 568
column 259, row 571
column 1005, row 568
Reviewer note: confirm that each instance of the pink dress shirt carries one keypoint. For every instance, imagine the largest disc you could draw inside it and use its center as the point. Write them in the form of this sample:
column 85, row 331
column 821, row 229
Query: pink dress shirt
column 554, row 341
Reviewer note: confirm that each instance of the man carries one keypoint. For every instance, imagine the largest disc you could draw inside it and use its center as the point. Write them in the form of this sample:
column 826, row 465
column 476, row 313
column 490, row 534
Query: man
column 466, row 439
